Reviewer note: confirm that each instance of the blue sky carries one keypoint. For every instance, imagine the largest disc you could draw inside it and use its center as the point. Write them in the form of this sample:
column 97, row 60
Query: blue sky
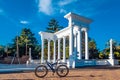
column 35, row 14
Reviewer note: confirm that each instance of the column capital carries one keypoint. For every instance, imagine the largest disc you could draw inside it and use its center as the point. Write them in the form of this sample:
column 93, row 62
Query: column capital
column 79, row 29
column 64, row 37
column 85, row 29
column 49, row 40
column 54, row 40
column 75, row 33
column 73, row 24
column 42, row 38
column 111, row 40
column 59, row 38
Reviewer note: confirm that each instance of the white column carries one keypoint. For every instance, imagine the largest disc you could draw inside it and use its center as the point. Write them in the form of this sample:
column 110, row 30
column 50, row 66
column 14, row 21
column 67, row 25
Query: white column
column 79, row 44
column 71, row 45
column 71, row 42
column 42, row 53
column 49, row 50
column 75, row 46
column 30, row 58
column 111, row 50
column 54, row 55
column 111, row 58
column 64, row 51
column 59, row 48
column 86, row 45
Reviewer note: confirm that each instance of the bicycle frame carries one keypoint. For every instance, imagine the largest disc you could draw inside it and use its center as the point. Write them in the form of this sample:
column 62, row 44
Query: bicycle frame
column 51, row 66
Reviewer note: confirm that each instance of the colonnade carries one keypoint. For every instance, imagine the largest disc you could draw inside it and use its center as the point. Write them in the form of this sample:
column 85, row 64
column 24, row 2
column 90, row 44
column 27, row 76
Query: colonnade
column 54, row 53
column 75, row 45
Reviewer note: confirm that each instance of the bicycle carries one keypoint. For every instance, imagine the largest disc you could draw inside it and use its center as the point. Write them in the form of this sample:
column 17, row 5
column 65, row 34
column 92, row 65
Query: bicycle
column 42, row 70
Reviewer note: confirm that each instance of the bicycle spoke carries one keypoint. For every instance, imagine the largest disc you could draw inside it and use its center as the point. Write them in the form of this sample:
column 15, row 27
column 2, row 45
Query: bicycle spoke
column 41, row 71
column 62, row 70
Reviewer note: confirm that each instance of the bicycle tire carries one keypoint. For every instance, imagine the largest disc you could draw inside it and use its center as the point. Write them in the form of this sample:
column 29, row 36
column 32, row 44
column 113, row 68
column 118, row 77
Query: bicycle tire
column 41, row 71
column 62, row 70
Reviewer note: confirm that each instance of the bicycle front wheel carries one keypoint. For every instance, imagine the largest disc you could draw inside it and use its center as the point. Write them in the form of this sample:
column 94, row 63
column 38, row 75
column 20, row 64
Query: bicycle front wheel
column 41, row 71
column 62, row 70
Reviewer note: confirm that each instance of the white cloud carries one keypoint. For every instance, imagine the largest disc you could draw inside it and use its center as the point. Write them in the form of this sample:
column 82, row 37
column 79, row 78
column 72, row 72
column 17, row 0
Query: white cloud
column 45, row 6
column 24, row 22
column 63, row 11
column 65, row 2
column 50, row 7
column 86, row 8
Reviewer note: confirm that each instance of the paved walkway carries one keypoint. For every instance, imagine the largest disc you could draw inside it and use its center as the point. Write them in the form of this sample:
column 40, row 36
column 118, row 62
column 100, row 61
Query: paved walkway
column 7, row 68
column 10, row 68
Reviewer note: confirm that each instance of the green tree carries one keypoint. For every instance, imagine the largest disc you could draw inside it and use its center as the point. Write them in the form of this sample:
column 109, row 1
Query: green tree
column 2, row 52
column 94, row 53
column 101, row 55
column 116, row 49
column 25, row 41
column 117, row 52
column 117, row 55
column 53, row 26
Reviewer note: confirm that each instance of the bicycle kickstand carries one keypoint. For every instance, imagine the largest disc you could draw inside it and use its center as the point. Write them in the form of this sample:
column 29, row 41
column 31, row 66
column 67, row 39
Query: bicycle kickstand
column 53, row 73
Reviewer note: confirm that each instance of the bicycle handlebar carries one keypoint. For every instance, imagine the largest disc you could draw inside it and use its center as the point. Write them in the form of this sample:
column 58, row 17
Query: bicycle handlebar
column 57, row 60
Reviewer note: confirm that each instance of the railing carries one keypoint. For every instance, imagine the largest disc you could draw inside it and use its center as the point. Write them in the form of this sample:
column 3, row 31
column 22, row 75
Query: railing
column 90, row 62
column 102, row 62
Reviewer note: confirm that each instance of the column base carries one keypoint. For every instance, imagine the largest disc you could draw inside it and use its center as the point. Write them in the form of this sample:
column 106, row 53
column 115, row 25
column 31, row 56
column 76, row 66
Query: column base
column 111, row 62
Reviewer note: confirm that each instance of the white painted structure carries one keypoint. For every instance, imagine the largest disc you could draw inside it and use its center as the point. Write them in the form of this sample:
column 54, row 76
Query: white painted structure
column 76, row 25
column 30, row 57
column 111, row 49
column 111, row 59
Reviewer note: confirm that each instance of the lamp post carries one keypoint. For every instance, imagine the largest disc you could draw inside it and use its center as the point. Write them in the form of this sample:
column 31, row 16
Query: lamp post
column 26, row 48
column 6, row 50
column 17, row 51
column 17, row 48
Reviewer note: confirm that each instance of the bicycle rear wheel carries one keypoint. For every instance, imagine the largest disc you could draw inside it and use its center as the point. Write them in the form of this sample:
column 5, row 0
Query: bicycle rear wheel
column 62, row 70
column 41, row 71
